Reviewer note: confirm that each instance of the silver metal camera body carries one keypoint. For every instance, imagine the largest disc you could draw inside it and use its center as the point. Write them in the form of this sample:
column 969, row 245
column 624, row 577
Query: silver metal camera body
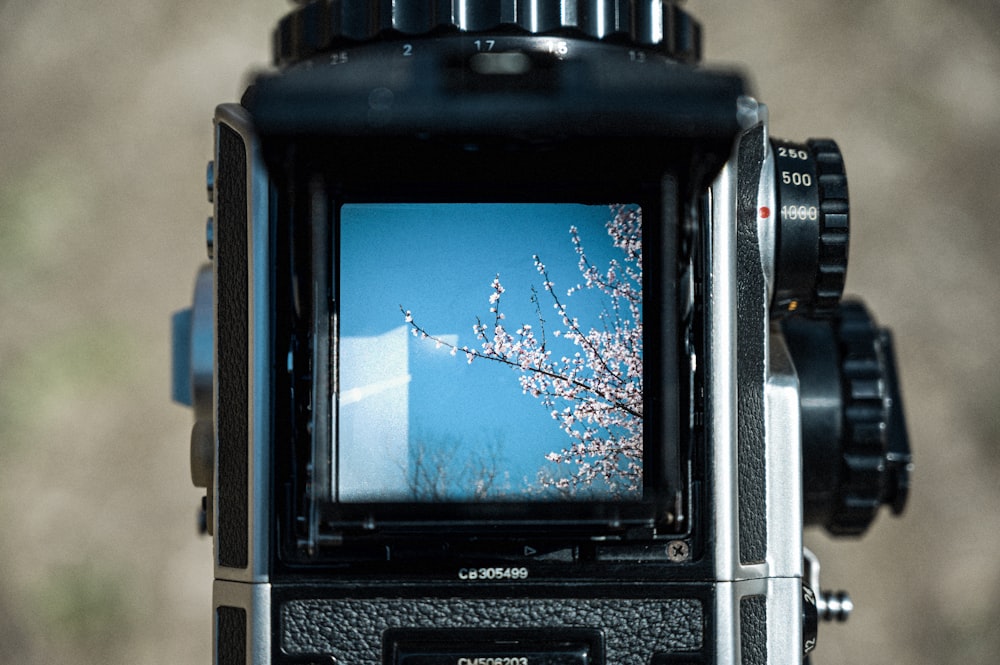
column 744, row 241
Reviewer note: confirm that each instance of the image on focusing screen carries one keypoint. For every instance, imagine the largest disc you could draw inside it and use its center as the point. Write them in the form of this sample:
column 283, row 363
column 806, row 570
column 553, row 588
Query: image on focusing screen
column 488, row 352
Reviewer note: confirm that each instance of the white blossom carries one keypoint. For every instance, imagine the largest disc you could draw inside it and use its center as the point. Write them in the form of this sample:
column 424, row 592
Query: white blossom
column 599, row 387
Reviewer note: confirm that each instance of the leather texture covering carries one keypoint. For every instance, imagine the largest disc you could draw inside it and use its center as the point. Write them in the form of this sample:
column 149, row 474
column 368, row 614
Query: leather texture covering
column 753, row 630
column 751, row 324
column 351, row 630
column 232, row 373
column 231, row 635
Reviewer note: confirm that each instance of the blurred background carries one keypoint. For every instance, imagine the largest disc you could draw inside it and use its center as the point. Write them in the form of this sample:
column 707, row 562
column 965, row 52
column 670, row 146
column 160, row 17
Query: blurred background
column 105, row 129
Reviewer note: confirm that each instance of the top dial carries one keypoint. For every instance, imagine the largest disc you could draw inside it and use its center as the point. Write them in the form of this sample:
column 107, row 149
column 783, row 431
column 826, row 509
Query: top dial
column 321, row 25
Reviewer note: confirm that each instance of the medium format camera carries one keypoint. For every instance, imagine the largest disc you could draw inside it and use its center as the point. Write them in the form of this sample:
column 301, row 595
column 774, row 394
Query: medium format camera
column 522, row 343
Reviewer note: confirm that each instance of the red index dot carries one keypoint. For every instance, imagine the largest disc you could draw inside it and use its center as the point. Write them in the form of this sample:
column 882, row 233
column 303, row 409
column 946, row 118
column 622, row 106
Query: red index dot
column 765, row 212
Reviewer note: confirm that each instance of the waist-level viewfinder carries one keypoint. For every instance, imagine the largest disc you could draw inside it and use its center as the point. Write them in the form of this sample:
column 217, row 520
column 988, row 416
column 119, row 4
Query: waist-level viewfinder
column 522, row 341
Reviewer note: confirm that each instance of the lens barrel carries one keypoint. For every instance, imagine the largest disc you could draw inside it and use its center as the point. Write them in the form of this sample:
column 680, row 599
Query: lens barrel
column 321, row 26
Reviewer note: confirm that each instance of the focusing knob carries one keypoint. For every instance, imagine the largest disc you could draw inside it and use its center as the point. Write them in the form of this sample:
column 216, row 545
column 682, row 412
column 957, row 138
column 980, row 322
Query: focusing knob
column 856, row 452
column 317, row 26
column 876, row 453
column 813, row 228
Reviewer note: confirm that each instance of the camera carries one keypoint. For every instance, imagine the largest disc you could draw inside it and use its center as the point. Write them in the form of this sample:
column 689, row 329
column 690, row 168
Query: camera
column 522, row 343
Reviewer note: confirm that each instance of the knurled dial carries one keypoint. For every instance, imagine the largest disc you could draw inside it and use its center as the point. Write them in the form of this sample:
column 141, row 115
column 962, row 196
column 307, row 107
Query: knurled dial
column 813, row 228
column 318, row 26
column 875, row 457
column 856, row 452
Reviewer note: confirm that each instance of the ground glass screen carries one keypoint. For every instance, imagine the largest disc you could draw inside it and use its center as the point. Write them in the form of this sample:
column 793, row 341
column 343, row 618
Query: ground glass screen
column 488, row 352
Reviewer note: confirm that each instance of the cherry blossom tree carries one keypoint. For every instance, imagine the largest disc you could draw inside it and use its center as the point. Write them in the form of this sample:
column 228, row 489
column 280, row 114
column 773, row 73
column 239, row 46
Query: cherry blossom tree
column 594, row 389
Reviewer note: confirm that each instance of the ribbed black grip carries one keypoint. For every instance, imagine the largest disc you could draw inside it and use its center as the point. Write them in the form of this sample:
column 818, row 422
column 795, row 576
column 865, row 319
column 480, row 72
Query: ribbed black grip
column 322, row 25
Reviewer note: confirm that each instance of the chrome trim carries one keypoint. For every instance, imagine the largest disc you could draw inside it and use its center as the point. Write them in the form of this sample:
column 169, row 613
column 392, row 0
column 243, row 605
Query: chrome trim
column 784, row 462
column 720, row 401
column 767, row 225
column 236, row 117
column 783, row 601
column 255, row 599
column 781, row 401
column 779, row 577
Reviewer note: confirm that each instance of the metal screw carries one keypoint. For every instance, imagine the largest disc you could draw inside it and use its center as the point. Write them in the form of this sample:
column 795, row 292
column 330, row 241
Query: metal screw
column 678, row 551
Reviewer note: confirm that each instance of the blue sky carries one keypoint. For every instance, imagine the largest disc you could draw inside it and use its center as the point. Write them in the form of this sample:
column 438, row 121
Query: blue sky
column 438, row 261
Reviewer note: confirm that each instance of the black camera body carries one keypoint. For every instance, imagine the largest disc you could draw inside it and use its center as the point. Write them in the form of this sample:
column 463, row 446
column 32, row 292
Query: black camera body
column 522, row 344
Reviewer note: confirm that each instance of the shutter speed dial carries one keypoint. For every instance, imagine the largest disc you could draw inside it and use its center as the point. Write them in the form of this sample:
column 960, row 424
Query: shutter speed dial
column 813, row 228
